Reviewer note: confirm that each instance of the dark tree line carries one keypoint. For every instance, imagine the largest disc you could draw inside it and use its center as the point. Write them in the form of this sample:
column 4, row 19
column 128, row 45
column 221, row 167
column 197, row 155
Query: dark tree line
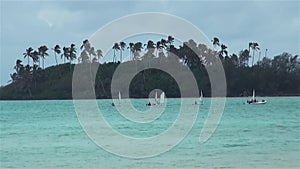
column 277, row 76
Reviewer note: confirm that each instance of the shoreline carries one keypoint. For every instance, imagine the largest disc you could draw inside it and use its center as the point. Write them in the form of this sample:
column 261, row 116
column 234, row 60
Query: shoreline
column 229, row 97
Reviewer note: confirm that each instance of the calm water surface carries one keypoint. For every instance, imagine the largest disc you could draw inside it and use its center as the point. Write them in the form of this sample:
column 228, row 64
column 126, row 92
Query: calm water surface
column 47, row 134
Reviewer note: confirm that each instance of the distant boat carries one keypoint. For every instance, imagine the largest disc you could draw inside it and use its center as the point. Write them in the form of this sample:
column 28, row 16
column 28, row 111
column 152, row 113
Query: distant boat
column 162, row 98
column 157, row 102
column 119, row 100
column 254, row 101
column 200, row 99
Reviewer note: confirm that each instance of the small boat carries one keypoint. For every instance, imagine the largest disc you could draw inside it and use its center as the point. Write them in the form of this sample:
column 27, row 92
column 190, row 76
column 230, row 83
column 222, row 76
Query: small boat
column 200, row 99
column 157, row 102
column 162, row 98
column 254, row 101
column 119, row 100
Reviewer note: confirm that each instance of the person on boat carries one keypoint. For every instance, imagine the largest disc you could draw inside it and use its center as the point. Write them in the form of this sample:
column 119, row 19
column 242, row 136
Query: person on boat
column 113, row 104
column 149, row 104
column 196, row 102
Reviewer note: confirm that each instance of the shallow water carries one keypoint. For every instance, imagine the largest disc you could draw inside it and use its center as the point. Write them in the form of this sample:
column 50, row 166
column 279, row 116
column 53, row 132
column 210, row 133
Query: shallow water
column 47, row 134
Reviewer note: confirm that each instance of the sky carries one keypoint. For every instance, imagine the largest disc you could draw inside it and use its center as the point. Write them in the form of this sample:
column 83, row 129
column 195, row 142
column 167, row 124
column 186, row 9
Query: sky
column 275, row 25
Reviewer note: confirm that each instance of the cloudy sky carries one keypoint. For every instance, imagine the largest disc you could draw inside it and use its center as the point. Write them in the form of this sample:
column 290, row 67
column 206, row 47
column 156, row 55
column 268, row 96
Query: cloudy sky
column 274, row 25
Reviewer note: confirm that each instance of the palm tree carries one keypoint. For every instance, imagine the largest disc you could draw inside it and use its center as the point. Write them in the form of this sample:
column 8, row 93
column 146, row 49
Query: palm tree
column 216, row 41
column 35, row 57
column 99, row 54
column 56, row 50
column 122, row 46
column 19, row 69
column 18, row 66
column 170, row 39
column 130, row 47
column 72, row 52
column 28, row 54
column 158, row 48
column 163, row 43
column 170, row 42
column 66, row 53
column 254, row 47
column 266, row 53
column 92, row 52
column 150, row 47
column 223, row 51
column 86, row 52
column 244, row 56
column 43, row 52
column 137, row 48
column 84, row 57
column 258, row 61
column 115, row 48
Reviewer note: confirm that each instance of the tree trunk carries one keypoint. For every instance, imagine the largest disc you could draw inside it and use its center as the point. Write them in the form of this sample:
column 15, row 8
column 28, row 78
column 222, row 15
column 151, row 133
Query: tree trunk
column 259, row 57
column 253, row 57
column 121, row 56
column 114, row 56
column 55, row 58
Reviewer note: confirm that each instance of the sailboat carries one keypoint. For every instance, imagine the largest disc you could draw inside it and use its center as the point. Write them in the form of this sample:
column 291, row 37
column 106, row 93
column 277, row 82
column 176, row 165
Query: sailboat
column 254, row 101
column 119, row 100
column 201, row 97
column 156, row 100
column 119, row 97
column 162, row 98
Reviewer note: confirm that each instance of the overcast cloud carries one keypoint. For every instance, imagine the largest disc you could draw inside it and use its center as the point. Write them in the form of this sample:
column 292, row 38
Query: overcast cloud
column 274, row 25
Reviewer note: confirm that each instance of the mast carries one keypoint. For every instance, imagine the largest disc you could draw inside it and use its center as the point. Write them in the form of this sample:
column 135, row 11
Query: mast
column 119, row 96
column 201, row 96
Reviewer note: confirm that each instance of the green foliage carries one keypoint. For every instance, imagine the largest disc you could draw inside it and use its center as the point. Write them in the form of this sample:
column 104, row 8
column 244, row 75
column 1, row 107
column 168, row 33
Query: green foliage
column 269, row 77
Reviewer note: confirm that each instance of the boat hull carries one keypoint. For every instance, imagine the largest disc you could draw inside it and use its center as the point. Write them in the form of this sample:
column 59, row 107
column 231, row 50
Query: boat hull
column 257, row 103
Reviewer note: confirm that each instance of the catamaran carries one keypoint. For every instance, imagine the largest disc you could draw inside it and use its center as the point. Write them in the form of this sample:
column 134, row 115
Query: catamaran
column 254, row 101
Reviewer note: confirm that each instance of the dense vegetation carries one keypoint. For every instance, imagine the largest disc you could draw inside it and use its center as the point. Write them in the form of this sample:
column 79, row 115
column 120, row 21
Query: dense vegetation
column 270, row 77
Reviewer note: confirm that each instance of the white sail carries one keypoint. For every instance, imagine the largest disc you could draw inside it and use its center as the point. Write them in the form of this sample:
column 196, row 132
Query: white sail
column 120, row 97
column 201, row 96
column 254, row 101
column 156, row 100
column 162, row 98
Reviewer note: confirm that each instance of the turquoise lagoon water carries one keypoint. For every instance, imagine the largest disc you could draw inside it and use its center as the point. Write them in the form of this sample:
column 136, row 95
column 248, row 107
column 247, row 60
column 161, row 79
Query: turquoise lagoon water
column 47, row 134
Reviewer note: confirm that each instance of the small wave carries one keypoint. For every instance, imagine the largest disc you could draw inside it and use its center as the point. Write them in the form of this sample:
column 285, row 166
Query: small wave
column 235, row 145
column 246, row 130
